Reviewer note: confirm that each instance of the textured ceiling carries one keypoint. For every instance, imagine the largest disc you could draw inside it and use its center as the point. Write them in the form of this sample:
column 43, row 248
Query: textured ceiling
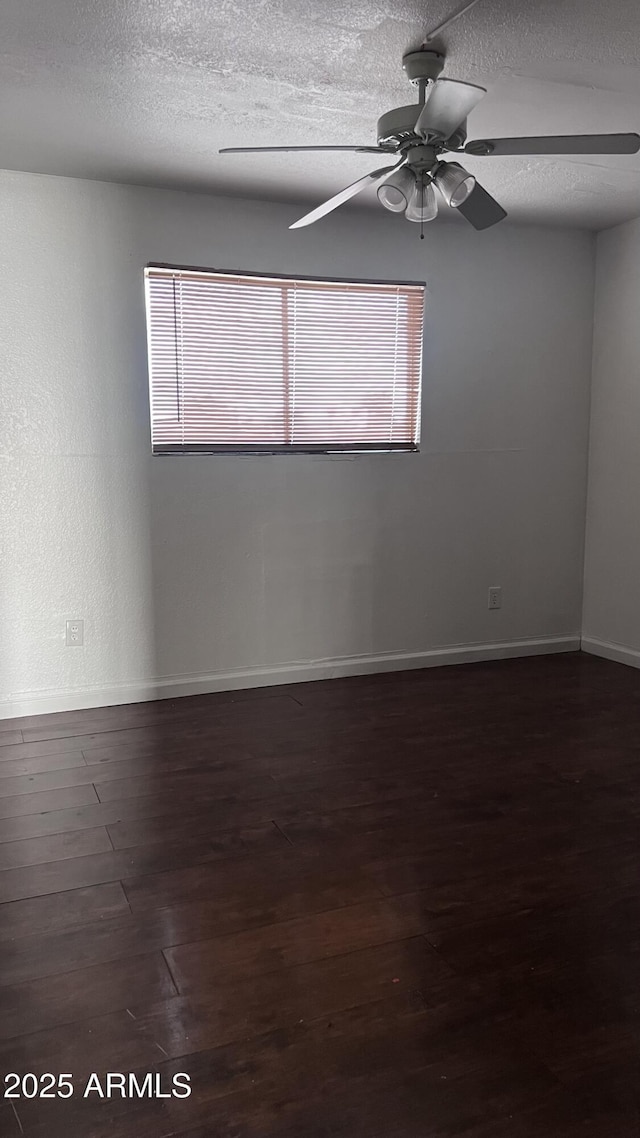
column 146, row 91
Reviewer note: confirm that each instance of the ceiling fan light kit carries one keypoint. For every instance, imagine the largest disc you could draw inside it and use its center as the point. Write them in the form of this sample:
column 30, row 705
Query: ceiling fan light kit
column 394, row 194
column 418, row 135
column 454, row 182
column 423, row 204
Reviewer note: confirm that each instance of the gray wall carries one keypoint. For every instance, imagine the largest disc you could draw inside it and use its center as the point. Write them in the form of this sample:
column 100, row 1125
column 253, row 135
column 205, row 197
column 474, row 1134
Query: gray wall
column 612, row 562
column 196, row 567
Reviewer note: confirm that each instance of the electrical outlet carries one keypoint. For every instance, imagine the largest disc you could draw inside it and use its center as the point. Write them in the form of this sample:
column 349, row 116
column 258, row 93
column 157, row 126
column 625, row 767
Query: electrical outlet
column 495, row 597
column 75, row 633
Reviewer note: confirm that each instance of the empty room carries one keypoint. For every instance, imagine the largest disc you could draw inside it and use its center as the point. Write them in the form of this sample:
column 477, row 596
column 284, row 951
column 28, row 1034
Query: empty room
column 320, row 569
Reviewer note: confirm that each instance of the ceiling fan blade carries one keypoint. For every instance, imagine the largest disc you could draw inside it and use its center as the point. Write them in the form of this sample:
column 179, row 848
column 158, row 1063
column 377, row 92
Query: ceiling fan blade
column 481, row 210
column 557, row 144
column 344, row 195
column 276, row 149
column 447, row 106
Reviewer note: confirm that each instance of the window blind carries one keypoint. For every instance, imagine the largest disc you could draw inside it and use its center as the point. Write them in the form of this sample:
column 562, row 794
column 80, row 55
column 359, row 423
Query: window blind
column 255, row 363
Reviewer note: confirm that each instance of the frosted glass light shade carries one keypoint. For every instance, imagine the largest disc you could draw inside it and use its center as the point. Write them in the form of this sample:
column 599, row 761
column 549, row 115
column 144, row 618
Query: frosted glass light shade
column 423, row 205
column 455, row 183
column 394, row 194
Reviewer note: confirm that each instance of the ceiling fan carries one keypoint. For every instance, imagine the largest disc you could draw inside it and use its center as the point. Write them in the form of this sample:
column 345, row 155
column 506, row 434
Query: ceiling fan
column 419, row 134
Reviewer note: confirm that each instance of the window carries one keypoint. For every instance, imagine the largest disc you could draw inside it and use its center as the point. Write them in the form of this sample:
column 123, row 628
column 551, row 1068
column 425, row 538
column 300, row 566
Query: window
column 249, row 363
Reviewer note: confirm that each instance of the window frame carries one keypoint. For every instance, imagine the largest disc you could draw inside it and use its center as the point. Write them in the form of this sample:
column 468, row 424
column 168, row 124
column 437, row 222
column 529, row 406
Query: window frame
column 250, row 449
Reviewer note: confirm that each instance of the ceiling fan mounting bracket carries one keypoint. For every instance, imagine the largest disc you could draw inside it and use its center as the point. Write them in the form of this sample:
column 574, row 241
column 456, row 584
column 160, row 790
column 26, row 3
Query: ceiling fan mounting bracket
column 423, row 66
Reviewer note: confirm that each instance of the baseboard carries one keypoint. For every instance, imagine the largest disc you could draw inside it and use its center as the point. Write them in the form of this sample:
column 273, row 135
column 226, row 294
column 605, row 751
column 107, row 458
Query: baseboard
column 167, row 687
column 621, row 653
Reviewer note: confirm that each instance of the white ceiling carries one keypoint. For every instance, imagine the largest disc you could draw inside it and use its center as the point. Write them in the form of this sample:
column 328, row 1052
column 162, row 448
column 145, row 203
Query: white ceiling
column 145, row 91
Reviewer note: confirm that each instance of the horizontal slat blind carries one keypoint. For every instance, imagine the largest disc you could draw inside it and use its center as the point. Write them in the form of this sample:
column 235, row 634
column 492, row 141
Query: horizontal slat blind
column 263, row 363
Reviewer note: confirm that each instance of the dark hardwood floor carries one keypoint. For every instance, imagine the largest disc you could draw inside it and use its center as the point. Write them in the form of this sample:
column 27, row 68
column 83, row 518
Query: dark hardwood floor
column 399, row 906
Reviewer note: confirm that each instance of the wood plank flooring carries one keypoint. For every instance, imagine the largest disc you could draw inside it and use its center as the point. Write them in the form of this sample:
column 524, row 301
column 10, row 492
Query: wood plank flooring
column 399, row 906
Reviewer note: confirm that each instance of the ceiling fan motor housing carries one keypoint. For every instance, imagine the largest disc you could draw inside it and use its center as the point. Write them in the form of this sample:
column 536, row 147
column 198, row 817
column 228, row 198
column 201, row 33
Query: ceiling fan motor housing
column 399, row 125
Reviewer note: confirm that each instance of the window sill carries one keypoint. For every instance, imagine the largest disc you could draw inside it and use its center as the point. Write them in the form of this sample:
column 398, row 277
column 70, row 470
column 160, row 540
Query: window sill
column 313, row 452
